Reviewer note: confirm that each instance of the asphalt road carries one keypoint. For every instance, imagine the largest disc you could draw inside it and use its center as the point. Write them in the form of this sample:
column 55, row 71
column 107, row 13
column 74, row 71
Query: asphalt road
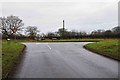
column 64, row 60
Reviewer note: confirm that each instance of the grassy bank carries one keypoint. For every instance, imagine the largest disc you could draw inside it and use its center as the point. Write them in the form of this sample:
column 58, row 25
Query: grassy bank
column 10, row 55
column 0, row 59
column 108, row 48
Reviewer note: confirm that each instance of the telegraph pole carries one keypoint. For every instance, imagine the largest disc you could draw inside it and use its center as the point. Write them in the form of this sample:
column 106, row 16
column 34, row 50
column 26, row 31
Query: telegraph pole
column 63, row 25
column 63, row 28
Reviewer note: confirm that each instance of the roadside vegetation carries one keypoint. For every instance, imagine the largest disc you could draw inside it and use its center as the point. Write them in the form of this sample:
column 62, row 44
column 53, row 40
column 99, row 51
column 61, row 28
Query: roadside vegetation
column 0, row 59
column 72, row 40
column 61, row 40
column 10, row 55
column 108, row 48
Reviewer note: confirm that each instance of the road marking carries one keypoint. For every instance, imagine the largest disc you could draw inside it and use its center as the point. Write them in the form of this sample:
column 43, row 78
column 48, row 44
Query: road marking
column 48, row 46
column 36, row 43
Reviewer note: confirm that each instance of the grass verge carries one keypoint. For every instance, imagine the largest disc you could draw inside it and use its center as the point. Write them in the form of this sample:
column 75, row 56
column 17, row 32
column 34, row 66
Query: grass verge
column 10, row 55
column 62, row 40
column 108, row 48
column 0, row 59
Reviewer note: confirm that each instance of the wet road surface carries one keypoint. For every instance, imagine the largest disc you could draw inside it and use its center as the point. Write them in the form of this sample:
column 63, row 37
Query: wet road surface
column 64, row 60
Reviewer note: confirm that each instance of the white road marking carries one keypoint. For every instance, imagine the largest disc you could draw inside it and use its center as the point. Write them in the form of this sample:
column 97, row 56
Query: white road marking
column 36, row 43
column 48, row 46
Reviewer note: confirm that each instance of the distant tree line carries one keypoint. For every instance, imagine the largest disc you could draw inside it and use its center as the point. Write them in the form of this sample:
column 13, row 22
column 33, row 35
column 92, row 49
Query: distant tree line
column 113, row 33
column 60, row 34
column 12, row 26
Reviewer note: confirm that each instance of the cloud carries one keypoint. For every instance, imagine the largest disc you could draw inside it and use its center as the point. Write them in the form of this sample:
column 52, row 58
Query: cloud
column 59, row 1
column 48, row 16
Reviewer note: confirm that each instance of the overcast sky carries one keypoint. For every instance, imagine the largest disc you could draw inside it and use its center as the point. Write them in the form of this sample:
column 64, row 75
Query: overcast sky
column 80, row 15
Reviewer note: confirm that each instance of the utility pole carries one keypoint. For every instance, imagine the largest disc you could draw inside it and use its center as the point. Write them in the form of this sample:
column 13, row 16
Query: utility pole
column 63, row 29
column 63, row 26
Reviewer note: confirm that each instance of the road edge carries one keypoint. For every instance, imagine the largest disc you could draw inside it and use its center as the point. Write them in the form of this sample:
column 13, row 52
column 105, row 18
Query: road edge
column 15, row 64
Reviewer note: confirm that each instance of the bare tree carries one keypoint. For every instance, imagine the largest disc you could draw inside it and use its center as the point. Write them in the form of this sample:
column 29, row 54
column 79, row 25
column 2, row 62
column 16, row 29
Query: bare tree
column 62, row 32
column 32, row 31
column 15, row 24
column 116, row 29
column 11, row 25
column 4, row 27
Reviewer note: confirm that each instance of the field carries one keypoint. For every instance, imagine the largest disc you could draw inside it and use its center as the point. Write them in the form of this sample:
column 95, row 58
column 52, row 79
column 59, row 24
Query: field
column 10, row 55
column 107, row 48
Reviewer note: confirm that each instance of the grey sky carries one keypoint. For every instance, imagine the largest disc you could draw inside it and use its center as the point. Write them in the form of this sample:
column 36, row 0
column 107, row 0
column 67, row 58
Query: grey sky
column 80, row 15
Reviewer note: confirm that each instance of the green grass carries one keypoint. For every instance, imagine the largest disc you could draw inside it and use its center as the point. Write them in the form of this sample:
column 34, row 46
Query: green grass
column 107, row 48
column 10, row 55
column 72, row 40
column 61, row 40
column 0, row 59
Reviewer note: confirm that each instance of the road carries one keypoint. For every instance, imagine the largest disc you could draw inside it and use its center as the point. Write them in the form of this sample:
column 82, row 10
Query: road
column 64, row 60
